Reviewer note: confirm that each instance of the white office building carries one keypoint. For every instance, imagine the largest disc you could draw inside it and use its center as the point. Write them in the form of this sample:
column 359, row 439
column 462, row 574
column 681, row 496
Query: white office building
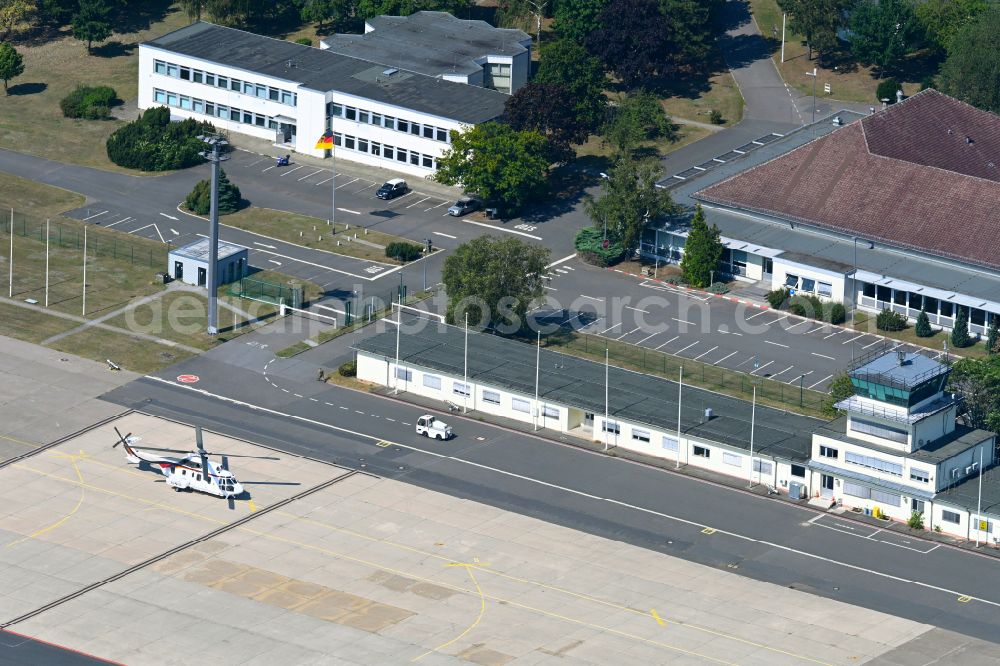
column 291, row 94
column 440, row 45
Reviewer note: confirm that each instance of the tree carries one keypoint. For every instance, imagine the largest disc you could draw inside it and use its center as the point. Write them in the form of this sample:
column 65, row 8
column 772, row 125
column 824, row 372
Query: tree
column 882, row 32
column 320, row 11
column 575, row 19
column 691, row 31
column 960, row 332
column 13, row 13
column 567, row 64
column 92, row 23
column 11, row 64
column 637, row 117
column 370, row 8
column 494, row 280
column 193, row 8
column 630, row 200
column 54, row 13
column 942, row 19
column 923, row 327
column 547, row 108
column 632, row 40
column 702, row 251
column 978, row 382
column 840, row 388
column 200, row 198
column 504, row 166
column 817, row 20
column 972, row 70
column 993, row 335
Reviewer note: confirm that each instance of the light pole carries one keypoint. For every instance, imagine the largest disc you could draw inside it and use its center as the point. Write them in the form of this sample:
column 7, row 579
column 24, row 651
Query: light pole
column 465, row 365
column 784, row 19
column 680, row 392
column 216, row 157
column 711, row 278
column 753, row 421
column 606, row 408
column 538, row 354
column 979, row 502
column 815, row 76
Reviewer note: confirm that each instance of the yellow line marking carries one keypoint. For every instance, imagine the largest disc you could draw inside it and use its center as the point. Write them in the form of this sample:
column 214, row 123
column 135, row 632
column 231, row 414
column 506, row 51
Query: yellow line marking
column 383, row 443
column 708, row 530
column 457, row 588
column 479, row 618
column 20, row 441
column 656, row 616
column 253, row 507
column 964, row 599
column 83, row 493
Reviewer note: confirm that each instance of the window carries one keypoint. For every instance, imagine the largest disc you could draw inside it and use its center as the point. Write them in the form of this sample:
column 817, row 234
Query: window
column 198, row 477
column 209, row 79
column 702, row 452
column 791, row 281
column 916, row 300
column 824, row 289
column 209, row 109
column 377, row 119
column 828, row 452
column 222, row 82
column 248, row 88
column 856, row 490
column 951, row 517
column 404, row 373
column 550, row 412
column 978, row 317
column 400, row 155
column 350, row 113
column 878, row 430
column 387, row 151
column 520, row 405
column 403, row 125
column 235, row 85
column 159, row 67
column 185, row 73
column 235, row 114
column 172, row 70
column 185, row 102
column 428, row 132
column 363, row 117
column 160, row 96
column 492, row 397
column 640, row 435
column 899, row 297
column 415, row 159
column 432, row 382
column 273, row 94
column 287, row 98
column 931, row 305
column 198, row 105
column 390, row 122
column 872, row 462
column 882, row 497
column 261, row 92
column 919, row 475
column 799, row 471
column 868, row 290
column 442, row 134
column 808, row 284
column 428, row 161
column 363, row 145
column 295, row 99
column 669, row 443
column 172, row 99
column 248, row 117
column 611, row 426
column 883, row 294
column 222, row 111
column 197, row 75
column 763, row 466
column 348, row 142
column 732, row 459
column 415, row 129
column 376, row 148
column 918, row 506
column 458, row 388
column 337, row 110
column 947, row 309
column 259, row 120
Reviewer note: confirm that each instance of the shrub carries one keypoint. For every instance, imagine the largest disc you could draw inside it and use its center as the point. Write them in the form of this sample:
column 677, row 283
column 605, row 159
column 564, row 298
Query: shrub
column 715, row 116
column 349, row 369
column 887, row 320
column 589, row 243
column 401, row 251
column 887, row 90
column 305, row 41
column 923, row 327
column 916, row 520
column 960, row 333
column 834, row 313
column 777, row 297
column 90, row 102
column 200, row 199
column 806, row 305
column 719, row 288
column 153, row 143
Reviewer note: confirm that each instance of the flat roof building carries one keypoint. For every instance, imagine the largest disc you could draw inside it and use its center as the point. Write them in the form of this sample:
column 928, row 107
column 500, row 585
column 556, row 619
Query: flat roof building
column 440, row 45
column 189, row 263
column 888, row 211
column 291, row 94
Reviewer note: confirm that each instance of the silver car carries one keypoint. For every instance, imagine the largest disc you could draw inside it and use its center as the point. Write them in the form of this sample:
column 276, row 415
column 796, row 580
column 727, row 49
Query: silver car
column 463, row 206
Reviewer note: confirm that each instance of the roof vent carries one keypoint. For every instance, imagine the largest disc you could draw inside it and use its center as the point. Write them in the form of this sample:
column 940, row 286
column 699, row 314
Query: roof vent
column 390, row 71
column 901, row 357
column 969, row 141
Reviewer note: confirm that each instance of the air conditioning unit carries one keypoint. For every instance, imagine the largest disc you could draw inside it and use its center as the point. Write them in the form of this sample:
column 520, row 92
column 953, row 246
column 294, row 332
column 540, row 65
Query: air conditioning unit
column 969, row 469
column 974, row 466
column 955, row 473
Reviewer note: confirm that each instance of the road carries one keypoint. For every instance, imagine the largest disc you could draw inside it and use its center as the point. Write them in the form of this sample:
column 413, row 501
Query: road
column 765, row 539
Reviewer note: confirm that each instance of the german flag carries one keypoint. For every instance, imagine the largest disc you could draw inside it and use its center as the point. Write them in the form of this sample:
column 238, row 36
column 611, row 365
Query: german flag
column 325, row 142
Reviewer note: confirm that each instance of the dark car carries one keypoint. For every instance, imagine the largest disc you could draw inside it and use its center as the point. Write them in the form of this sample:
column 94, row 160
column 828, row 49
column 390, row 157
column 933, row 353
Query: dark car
column 392, row 189
column 463, row 206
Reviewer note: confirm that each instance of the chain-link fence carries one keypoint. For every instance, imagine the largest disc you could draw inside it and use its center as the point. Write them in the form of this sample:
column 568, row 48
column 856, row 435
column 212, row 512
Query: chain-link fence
column 100, row 242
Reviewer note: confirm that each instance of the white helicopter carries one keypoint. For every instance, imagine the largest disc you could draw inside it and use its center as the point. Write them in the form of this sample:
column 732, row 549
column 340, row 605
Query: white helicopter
column 191, row 471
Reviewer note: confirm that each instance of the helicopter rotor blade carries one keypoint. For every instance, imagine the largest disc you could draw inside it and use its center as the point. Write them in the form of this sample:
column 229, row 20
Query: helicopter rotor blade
column 120, row 438
column 198, row 439
column 232, row 503
column 153, row 448
column 238, row 455
column 225, row 462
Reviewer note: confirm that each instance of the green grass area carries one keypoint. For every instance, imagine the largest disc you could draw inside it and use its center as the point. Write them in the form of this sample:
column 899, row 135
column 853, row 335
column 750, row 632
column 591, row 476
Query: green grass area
column 865, row 322
column 596, row 148
column 347, row 239
column 30, row 118
column 722, row 95
column 31, row 325
column 40, row 200
column 129, row 352
column 849, row 81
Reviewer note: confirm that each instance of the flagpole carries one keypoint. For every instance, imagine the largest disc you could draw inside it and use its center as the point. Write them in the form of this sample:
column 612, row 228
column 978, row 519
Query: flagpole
column 85, row 269
column 10, row 293
column 46, row 263
column 538, row 351
column 333, row 186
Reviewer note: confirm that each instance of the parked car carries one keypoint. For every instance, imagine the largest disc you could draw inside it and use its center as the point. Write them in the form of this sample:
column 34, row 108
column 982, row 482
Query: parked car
column 392, row 189
column 430, row 426
column 463, row 206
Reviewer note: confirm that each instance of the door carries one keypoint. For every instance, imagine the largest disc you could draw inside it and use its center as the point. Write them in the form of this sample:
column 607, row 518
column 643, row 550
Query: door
column 918, row 506
column 826, row 485
column 178, row 270
column 588, row 420
column 202, row 276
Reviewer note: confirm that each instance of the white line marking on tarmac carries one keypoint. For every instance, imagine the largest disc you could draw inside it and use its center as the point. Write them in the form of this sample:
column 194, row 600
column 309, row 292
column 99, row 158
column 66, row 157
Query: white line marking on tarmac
column 684, row 321
column 685, row 521
column 820, row 381
column 629, row 333
column 326, row 180
column 776, row 320
column 549, row 288
column 853, row 339
column 761, row 367
column 347, row 183
column 668, row 341
column 169, row 217
column 174, row 232
column 348, row 210
column 645, row 338
column 823, row 356
column 311, row 175
column 301, row 166
column 593, row 298
column 833, row 334
column 276, row 263
column 776, row 344
column 124, row 219
column 140, row 228
column 440, row 233
column 782, row 372
column 609, row 328
column 509, row 231
column 678, row 352
column 629, row 307
column 269, row 247
column 559, row 261
column 443, row 203
column 327, row 307
column 804, row 321
column 267, row 168
column 90, row 217
column 417, row 203
column 872, row 344
column 762, row 312
column 708, row 352
column 800, row 377
column 723, row 358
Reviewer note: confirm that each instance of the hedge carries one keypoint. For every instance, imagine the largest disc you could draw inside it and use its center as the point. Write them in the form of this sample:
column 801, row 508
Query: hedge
column 153, row 143
column 776, row 297
column 887, row 320
column 589, row 243
column 200, row 199
column 89, row 102
column 402, row 251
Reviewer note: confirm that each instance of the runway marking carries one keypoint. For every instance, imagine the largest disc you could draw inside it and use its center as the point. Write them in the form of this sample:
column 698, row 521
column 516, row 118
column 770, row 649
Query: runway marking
column 761, row 367
column 678, row 519
column 311, row 175
column 347, row 183
column 820, row 381
column 669, row 341
column 831, row 358
column 509, row 231
column 678, row 352
column 656, row 616
column 301, row 166
column 853, row 339
column 417, row 203
column 90, row 217
column 124, row 219
column 776, row 344
column 440, row 233
column 723, row 359
column 704, row 353
column 684, row 321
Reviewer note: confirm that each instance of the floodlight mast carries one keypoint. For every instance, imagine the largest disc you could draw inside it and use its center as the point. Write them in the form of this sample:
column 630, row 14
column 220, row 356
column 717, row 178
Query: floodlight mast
column 215, row 157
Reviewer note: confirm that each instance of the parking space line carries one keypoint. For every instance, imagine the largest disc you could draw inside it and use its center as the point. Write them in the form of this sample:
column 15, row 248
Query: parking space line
column 509, row 231
column 776, row 344
column 758, row 369
column 746, row 360
column 609, row 328
column 708, row 352
column 782, row 372
column 301, row 166
column 820, row 381
column 762, row 312
column 417, row 203
column 776, row 320
column 365, row 188
column 326, row 180
column 800, row 377
column 124, row 219
column 837, row 332
column 647, row 338
column 593, row 323
column 348, row 183
column 312, row 174
column 678, row 352
column 872, row 344
column 823, row 356
column 668, row 341
column 443, row 203
column 90, row 217
column 268, row 168
column 804, row 321
column 853, row 339
column 684, row 321
column 439, row 233
column 629, row 333
column 724, row 358
column 813, row 330
column 255, row 163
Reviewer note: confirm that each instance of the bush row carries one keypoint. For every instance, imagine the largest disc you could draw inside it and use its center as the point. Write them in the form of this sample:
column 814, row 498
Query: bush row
column 200, row 199
column 402, row 251
column 589, row 244
column 807, row 305
column 153, row 143
column 89, row 102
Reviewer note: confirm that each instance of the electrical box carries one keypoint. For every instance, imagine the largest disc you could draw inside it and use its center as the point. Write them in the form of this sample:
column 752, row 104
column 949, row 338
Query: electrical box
column 797, row 490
